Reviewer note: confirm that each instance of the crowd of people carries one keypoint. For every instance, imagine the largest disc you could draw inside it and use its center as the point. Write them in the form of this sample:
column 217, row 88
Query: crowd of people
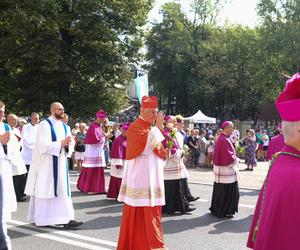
column 148, row 167
column 252, row 147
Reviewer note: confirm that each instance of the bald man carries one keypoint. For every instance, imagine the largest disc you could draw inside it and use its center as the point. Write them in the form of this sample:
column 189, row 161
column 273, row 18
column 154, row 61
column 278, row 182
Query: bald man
column 19, row 170
column 48, row 181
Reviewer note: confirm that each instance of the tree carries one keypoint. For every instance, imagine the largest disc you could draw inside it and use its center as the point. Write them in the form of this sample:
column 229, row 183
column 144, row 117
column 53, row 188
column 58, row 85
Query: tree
column 72, row 51
column 168, row 45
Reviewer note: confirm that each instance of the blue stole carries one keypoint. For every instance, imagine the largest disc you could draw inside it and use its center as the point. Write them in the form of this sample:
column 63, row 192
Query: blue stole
column 55, row 159
column 6, row 127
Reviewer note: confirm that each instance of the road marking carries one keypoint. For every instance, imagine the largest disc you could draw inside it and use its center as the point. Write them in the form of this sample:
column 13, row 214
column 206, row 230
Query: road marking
column 68, row 234
column 55, row 238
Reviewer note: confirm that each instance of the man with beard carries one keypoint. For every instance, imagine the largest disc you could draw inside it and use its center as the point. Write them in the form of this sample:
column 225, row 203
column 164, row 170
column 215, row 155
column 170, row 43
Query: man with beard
column 48, row 178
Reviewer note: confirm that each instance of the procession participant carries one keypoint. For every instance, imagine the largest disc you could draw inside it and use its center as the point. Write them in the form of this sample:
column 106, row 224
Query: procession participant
column 4, row 238
column 225, row 196
column 174, row 171
column 9, row 202
column 117, row 155
column 48, row 181
column 142, row 188
column 19, row 170
column 71, row 146
column 92, row 178
column 180, row 135
column 29, row 138
column 276, row 219
column 276, row 144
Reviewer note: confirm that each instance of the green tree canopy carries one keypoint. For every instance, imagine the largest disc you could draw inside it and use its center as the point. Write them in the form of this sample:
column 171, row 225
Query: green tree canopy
column 72, row 51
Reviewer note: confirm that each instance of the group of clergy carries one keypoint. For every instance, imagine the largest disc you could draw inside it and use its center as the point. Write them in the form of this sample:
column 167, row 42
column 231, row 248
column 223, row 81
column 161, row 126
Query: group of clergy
column 153, row 176
column 148, row 174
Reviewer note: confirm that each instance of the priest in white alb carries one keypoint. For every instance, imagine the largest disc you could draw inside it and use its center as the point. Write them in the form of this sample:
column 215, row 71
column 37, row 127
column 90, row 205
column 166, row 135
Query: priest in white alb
column 48, row 181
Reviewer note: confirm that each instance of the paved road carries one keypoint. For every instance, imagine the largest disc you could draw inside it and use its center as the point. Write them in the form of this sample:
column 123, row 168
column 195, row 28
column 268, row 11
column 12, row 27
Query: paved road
column 198, row 230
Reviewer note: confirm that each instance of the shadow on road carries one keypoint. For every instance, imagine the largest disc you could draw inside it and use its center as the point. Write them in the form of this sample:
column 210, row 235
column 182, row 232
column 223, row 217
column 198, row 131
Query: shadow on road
column 176, row 226
column 249, row 193
column 95, row 203
column 225, row 225
column 102, row 222
column 233, row 226
column 116, row 208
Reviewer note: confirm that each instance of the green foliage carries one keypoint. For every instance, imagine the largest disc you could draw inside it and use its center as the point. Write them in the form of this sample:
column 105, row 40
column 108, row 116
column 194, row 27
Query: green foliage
column 214, row 68
column 73, row 51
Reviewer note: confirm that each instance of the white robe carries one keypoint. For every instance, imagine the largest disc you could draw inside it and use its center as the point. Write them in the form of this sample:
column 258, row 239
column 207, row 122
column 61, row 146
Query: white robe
column 9, row 197
column 45, row 208
column 17, row 162
column 143, row 178
column 180, row 140
column 29, row 138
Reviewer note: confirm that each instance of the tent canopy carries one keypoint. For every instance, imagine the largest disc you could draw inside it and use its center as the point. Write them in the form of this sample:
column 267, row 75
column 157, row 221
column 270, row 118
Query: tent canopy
column 199, row 117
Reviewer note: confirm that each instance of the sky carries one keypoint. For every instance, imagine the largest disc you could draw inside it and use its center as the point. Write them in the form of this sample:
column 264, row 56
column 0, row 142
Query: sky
column 235, row 12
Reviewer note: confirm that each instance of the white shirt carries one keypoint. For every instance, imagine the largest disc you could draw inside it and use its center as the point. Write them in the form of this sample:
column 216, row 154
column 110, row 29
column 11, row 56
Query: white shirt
column 9, row 197
column 29, row 138
column 16, row 160
column 235, row 136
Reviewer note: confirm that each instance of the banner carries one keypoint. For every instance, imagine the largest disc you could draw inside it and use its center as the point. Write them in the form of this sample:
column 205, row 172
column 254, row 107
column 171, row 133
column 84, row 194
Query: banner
column 142, row 86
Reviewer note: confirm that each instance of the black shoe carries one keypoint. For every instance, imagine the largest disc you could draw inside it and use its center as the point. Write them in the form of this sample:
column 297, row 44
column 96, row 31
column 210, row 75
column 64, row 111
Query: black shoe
column 229, row 216
column 23, row 199
column 73, row 224
column 190, row 209
column 193, row 198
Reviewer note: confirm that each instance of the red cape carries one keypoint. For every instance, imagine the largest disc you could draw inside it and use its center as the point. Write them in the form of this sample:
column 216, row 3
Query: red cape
column 137, row 135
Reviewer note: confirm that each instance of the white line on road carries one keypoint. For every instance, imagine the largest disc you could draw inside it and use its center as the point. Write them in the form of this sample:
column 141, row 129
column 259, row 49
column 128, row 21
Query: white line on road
column 68, row 234
column 55, row 238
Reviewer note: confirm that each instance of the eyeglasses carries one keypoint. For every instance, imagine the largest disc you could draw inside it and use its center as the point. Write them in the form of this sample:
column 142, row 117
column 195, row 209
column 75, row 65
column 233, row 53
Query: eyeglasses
column 61, row 109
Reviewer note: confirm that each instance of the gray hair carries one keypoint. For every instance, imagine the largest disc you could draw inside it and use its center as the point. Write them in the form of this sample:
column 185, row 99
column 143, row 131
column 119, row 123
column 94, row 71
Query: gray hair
column 290, row 129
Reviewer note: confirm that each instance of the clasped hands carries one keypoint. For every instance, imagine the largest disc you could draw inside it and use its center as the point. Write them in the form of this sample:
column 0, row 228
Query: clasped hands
column 66, row 141
column 4, row 138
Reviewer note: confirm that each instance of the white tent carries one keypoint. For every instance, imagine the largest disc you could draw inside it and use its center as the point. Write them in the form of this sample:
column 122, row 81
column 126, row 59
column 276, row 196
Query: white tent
column 199, row 117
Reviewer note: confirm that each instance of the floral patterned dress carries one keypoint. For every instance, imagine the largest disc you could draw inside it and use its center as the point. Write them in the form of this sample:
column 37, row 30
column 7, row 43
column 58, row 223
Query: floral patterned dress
column 250, row 151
